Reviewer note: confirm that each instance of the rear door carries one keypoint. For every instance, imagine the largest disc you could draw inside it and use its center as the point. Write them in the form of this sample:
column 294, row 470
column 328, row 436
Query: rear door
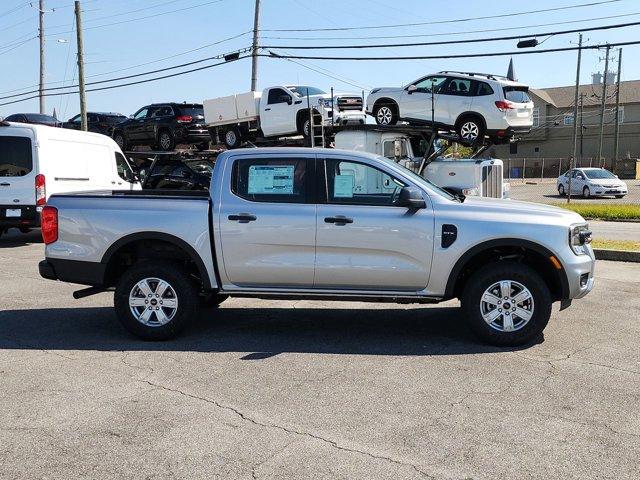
column 456, row 98
column 364, row 241
column 18, row 169
column 267, row 221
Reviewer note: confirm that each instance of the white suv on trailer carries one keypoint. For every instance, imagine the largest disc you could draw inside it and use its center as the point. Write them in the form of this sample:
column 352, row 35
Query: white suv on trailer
column 473, row 104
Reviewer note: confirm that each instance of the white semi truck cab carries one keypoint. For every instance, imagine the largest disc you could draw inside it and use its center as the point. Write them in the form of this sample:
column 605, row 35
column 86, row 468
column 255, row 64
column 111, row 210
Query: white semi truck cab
column 279, row 111
column 469, row 176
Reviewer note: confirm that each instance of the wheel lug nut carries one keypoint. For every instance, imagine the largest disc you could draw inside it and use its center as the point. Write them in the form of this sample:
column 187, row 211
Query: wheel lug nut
column 514, row 309
column 499, row 302
column 499, row 309
column 146, row 301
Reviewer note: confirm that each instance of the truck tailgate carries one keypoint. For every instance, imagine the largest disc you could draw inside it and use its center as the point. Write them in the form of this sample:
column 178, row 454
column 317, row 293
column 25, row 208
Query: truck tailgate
column 91, row 223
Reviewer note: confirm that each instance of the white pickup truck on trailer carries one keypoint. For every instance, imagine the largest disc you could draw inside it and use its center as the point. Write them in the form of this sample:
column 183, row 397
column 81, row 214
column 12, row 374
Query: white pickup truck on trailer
column 469, row 176
column 278, row 111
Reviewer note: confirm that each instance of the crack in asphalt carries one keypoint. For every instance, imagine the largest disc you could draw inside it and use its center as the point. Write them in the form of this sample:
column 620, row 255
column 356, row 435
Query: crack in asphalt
column 327, row 441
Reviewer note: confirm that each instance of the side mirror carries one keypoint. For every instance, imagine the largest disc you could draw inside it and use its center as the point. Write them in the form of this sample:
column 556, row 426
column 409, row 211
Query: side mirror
column 411, row 89
column 411, row 197
column 286, row 99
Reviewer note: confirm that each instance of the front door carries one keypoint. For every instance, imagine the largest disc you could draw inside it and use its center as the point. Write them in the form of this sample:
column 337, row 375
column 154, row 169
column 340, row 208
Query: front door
column 267, row 221
column 277, row 114
column 135, row 127
column 416, row 104
column 365, row 241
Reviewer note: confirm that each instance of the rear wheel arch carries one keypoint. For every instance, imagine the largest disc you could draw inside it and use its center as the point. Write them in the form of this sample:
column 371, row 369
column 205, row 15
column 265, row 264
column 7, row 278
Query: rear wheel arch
column 470, row 114
column 513, row 249
column 149, row 245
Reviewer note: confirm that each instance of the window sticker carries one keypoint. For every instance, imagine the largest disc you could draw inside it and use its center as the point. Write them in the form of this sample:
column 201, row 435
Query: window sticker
column 343, row 186
column 264, row 179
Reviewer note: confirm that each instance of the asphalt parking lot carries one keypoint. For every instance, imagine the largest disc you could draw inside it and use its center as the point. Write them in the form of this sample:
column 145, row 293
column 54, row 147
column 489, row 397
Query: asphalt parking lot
column 265, row 389
column 545, row 192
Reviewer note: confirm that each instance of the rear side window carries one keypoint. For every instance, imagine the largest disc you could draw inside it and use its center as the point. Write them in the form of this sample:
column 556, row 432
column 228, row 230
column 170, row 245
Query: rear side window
column 15, row 156
column 280, row 180
column 517, row 94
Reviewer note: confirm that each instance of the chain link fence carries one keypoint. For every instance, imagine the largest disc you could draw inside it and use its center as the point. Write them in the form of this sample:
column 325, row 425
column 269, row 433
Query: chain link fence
column 551, row 168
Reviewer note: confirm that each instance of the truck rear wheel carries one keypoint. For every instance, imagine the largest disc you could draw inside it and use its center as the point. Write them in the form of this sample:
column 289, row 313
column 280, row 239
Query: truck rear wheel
column 155, row 301
column 232, row 138
column 506, row 304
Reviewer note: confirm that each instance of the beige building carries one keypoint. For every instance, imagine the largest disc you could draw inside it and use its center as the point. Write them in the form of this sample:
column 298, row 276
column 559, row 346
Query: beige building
column 552, row 133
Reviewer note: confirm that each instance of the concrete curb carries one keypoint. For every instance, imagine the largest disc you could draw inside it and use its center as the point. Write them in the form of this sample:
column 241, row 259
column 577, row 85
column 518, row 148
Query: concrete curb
column 616, row 255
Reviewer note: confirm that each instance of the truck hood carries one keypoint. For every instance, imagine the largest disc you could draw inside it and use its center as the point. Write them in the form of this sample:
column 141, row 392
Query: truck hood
column 523, row 211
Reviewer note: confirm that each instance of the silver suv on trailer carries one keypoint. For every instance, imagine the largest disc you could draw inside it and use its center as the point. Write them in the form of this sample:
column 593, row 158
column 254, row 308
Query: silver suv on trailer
column 472, row 104
column 318, row 223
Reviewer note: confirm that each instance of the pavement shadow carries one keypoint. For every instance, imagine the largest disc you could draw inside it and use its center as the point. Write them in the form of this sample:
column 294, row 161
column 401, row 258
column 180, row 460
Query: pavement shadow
column 14, row 238
column 264, row 332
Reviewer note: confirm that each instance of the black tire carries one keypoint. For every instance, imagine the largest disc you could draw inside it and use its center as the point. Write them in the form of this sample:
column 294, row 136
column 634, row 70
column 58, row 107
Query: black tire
column 166, row 141
column 586, row 193
column 184, row 290
column 385, row 113
column 120, row 138
column 492, row 274
column 471, row 128
column 232, row 138
column 561, row 191
column 213, row 300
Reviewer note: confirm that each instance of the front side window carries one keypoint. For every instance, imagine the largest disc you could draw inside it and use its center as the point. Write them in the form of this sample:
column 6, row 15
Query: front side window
column 359, row 184
column 15, row 156
column 123, row 168
column 280, row 180
column 277, row 95
column 424, row 85
column 140, row 114
column 76, row 119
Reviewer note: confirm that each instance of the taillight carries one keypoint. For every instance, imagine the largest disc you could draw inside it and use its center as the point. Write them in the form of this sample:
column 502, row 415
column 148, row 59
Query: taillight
column 49, row 224
column 41, row 190
column 503, row 105
column 184, row 119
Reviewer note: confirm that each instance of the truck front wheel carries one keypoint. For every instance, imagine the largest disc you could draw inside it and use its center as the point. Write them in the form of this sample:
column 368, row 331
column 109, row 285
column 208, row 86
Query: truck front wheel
column 155, row 301
column 506, row 304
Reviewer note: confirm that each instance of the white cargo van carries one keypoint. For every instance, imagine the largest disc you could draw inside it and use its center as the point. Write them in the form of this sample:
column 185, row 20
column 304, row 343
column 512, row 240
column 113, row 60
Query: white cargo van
column 37, row 161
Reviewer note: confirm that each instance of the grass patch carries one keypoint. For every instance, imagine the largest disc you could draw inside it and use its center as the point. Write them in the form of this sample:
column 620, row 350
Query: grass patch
column 627, row 245
column 605, row 211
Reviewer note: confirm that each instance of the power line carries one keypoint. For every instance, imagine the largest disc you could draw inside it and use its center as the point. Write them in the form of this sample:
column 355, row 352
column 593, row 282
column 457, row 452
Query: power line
column 504, row 29
column 111, row 87
column 440, row 22
column 451, row 42
column 442, row 57
column 140, row 64
column 14, row 9
column 126, row 77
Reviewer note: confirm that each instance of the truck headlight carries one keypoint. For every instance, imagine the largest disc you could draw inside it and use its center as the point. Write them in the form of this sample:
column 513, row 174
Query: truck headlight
column 470, row 192
column 579, row 238
column 324, row 102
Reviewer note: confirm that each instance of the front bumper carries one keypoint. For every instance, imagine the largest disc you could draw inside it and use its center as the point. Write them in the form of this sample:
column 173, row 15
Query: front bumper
column 29, row 217
column 603, row 191
column 580, row 273
column 346, row 117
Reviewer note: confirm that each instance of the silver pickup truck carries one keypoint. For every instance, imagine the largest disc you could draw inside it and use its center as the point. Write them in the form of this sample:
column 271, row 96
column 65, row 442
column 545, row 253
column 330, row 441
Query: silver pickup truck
column 318, row 223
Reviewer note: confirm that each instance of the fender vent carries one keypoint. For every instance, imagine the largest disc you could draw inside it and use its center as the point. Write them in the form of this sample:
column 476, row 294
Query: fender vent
column 449, row 235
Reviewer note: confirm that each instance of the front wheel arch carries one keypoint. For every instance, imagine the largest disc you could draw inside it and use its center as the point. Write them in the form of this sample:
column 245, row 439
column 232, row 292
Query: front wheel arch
column 525, row 251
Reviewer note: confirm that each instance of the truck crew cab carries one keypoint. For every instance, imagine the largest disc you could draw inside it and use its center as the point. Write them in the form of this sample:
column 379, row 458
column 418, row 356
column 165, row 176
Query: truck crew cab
column 312, row 223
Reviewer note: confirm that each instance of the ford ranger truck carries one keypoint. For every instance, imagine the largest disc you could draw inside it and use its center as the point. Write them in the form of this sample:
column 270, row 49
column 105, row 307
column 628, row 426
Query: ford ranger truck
column 318, row 224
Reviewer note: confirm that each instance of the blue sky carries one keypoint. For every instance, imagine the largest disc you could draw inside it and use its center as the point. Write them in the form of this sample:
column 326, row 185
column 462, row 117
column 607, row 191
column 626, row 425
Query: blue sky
column 115, row 48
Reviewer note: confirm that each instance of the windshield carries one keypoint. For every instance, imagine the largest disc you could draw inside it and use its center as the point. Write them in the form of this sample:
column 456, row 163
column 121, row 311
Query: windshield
column 599, row 174
column 301, row 91
column 200, row 166
column 418, row 179
column 37, row 117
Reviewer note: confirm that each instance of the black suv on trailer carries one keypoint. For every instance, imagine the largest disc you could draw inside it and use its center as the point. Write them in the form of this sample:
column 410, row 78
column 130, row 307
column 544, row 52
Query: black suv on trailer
column 98, row 122
column 162, row 126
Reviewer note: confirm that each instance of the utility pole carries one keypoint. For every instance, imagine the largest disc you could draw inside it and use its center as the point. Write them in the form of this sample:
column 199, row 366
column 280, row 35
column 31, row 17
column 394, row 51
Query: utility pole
column 41, row 36
column 575, row 118
column 603, row 102
column 616, row 135
column 83, row 100
column 582, row 95
column 254, row 49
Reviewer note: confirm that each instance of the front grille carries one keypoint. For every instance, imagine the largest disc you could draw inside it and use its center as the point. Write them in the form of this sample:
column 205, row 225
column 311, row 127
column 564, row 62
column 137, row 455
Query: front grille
column 492, row 181
column 349, row 103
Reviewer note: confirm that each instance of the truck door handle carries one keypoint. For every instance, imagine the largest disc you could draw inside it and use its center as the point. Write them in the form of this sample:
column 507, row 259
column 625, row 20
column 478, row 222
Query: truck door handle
column 338, row 220
column 5, row 184
column 243, row 218
column 267, row 109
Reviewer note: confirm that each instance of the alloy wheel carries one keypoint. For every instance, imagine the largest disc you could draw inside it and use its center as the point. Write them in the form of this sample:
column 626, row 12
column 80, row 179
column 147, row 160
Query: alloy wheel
column 384, row 115
column 230, row 137
column 507, row 306
column 165, row 141
column 153, row 302
column 470, row 130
